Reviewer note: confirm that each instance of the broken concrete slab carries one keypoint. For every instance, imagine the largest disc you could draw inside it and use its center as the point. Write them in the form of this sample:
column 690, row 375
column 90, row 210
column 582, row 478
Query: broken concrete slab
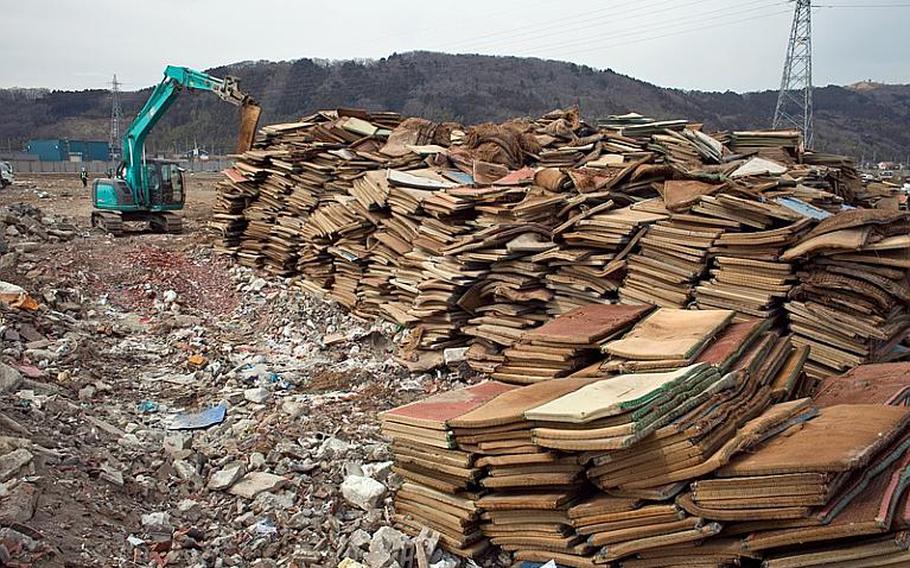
column 187, row 471
column 333, row 447
column 12, row 462
column 19, row 505
column 257, row 482
column 10, row 378
column 226, row 476
column 159, row 521
column 111, row 474
column 257, row 395
column 364, row 492
column 386, row 547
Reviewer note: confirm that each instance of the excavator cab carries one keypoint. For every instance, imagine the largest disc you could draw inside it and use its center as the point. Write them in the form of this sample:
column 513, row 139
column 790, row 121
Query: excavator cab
column 165, row 185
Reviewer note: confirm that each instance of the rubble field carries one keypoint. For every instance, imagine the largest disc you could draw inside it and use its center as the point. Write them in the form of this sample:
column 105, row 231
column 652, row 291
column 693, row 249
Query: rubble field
column 298, row 380
column 119, row 344
column 698, row 341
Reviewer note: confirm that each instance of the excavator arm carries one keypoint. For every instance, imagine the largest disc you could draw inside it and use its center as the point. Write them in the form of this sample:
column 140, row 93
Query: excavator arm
column 175, row 80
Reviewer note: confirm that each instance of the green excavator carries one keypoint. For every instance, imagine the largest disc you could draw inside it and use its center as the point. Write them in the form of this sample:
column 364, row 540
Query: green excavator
column 151, row 190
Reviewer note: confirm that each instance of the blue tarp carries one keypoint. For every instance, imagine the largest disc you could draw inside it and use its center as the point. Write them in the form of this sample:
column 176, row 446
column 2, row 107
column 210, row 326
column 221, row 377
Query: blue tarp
column 803, row 208
column 199, row 420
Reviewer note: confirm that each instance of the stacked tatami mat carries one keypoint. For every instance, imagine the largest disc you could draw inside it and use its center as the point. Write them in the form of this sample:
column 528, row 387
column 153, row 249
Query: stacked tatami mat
column 695, row 466
column 566, row 343
column 441, row 486
column 673, row 256
column 660, row 291
column 748, row 275
column 614, row 413
column 593, row 470
column 528, row 488
column 668, row 338
column 472, row 235
column 850, row 305
column 839, row 475
column 536, row 521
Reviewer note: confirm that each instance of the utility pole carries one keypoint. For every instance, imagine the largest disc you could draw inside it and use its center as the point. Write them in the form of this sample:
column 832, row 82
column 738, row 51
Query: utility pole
column 794, row 101
column 116, row 117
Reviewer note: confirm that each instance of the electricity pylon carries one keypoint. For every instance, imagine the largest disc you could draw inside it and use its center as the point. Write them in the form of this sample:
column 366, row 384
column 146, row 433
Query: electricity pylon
column 794, row 102
column 116, row 117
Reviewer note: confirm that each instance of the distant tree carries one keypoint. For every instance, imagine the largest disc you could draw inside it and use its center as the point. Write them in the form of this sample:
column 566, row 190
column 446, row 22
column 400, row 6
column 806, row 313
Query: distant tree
column 466, row 88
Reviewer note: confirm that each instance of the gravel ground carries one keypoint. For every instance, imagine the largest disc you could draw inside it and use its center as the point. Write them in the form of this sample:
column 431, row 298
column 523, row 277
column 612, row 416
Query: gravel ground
column 134, row 332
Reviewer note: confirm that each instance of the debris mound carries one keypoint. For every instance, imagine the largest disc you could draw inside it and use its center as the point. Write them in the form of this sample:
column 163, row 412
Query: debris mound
column 475, row 236
column 656, row 306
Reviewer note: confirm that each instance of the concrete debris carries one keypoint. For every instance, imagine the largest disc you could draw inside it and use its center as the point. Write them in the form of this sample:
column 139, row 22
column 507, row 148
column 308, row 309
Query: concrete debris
column 19, row 504
column 257, row 395
column 293, row 408
column 14, row 540
column 10, row 378
column 108, row 396
column 388, row 547
column 450, row 562
column 24, row 224
column 257, row 460
column 12, row 462
column 360, row 539
column 157, row 522
column 176, row 444
column 256, row 482
column 362, row 491
column 187, row 472
column 379, row 471
column 111, row 475
column 257, row 285
column 124, row 394
column 224, row 478
column 333, row 448
column 170, row 296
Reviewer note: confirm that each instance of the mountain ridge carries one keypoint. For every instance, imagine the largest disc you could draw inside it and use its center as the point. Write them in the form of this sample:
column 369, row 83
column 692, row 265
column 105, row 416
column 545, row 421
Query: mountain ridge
column 864, row 119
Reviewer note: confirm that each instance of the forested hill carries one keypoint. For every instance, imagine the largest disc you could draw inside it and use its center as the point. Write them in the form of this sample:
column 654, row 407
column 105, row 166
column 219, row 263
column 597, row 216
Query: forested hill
column 862, row 120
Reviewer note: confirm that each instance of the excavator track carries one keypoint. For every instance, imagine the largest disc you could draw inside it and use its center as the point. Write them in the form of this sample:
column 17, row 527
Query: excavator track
column 167, row 223
column 110, row 221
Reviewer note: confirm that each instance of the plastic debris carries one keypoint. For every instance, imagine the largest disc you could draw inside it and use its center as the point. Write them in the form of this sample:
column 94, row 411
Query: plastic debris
column 199, row 420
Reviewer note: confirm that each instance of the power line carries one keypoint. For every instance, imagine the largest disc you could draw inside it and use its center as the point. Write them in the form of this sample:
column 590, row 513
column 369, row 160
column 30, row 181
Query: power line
column 861, row 5
column 600, row 24
column 613, row 12
column 535, row 29
column 670, row 26
column 647, row 37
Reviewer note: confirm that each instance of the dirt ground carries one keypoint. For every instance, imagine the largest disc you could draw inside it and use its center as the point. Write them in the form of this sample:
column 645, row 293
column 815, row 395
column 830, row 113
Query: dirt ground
column 130, row 332
column 63, row 194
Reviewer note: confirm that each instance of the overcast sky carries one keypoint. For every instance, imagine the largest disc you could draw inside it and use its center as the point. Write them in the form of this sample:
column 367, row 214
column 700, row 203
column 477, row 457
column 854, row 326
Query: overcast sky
column 692, row 44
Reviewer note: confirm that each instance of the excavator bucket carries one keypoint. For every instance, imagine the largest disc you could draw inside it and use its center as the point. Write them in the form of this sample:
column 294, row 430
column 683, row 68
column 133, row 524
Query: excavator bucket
column 249, row 120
